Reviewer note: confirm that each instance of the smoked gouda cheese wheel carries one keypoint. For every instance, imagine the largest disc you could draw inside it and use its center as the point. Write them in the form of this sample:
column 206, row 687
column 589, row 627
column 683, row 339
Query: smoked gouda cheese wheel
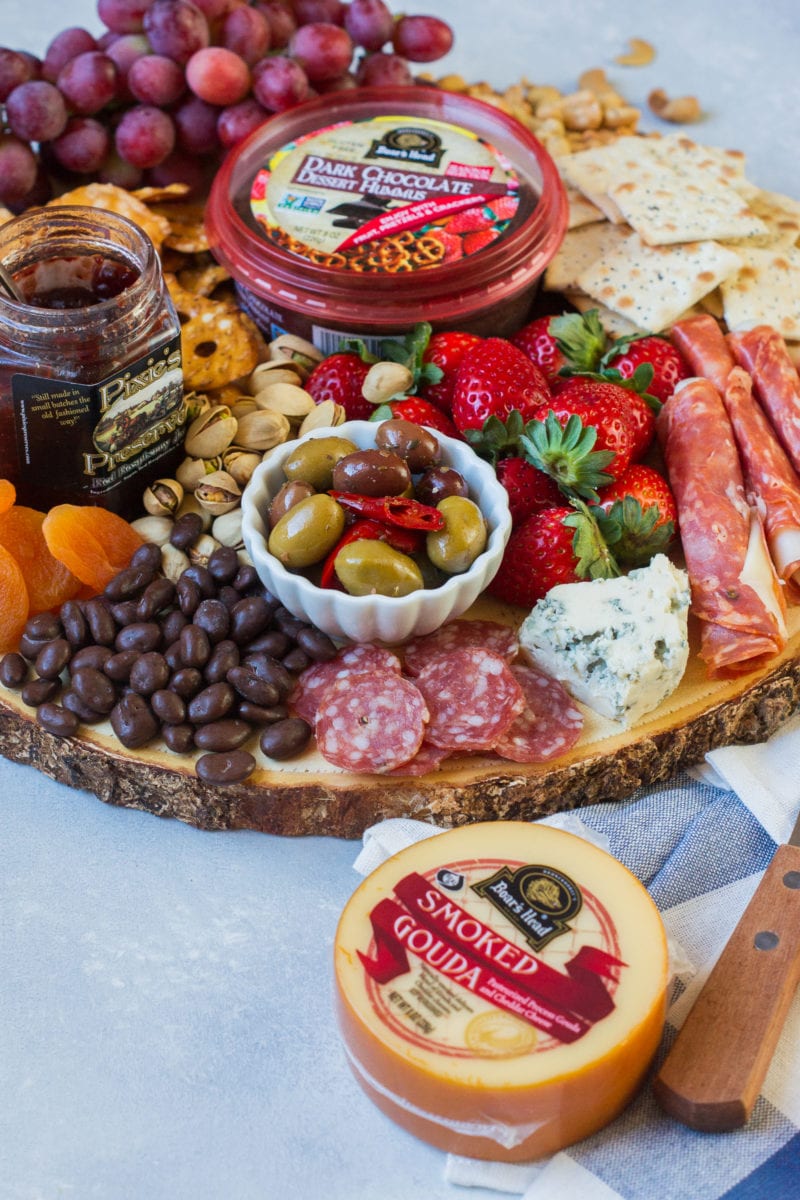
column 501, row 988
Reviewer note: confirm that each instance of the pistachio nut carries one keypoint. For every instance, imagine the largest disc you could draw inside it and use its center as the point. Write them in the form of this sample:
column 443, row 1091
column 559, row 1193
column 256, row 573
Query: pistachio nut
column 262, row 429
column 240, row 464
column 195, row 403
column 173, row 561
column 227, row 529
column 385, row 380
column 201, row 550
column 218, row 493
column 274, row 371
column 190, row 472
column 328, row 412
column 163, row 498
column 190, row 504
column 287, row 398
column 153, row 529
column 244, row 405
column 289, row 348
column 211, row 433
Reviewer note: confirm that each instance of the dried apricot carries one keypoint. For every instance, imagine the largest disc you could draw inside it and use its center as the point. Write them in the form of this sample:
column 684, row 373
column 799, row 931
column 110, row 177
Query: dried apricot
column 14, row 605
column 48, row 581
column 8, row 494
column 92, row 543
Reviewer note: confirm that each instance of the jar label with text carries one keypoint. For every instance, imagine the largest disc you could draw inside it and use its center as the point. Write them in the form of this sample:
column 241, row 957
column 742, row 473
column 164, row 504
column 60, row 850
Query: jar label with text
column 102, row 443
column 391, row 194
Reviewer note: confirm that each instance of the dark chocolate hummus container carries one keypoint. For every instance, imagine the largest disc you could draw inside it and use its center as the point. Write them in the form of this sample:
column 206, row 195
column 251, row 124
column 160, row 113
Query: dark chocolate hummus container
column 91, row 386
column 364, row 212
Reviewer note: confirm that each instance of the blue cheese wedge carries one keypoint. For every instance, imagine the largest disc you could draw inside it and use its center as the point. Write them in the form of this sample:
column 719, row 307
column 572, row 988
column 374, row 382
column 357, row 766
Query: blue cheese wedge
column 620, row 646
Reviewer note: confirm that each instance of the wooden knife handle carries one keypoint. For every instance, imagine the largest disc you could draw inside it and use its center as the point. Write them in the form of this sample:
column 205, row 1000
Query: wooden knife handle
column 712, row 1076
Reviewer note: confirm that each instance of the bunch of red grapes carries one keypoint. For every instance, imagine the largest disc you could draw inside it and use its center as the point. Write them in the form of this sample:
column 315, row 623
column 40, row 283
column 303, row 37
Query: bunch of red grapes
column 173, row 84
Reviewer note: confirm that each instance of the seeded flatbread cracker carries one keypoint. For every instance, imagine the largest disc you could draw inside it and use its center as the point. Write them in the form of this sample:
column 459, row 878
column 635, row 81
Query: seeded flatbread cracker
column 581, row 211
column 688, row 156
column 593, row 171
column 765, row 291
column 653, row 285
column 780, row 214
column 614, row 325
column 579, row 249
column 665, row 205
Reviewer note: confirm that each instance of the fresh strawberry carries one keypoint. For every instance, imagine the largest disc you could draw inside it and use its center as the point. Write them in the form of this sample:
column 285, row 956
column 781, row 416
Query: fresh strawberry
column 529, row 489
column 445, row 350
column 421, row 412
column 642, row 420
column 640, row 515
column 604, row 407
column 339, row 378
column 628, row 355
column 570, row 342
column 555, row 545
column 494, row 378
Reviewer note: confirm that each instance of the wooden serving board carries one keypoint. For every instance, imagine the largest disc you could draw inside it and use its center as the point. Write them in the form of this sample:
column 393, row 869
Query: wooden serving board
column 306, row 796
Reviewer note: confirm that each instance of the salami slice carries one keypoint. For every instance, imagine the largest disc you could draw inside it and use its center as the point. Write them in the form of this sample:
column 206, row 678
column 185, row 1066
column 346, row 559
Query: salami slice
column 735, row 590
column 460, row 635
column 702, row 343
column 353, row 660
column 769, row 477
column 472, row 698
column 763, row 354
column 548, row 726
column 428, row 758
column 371, row 723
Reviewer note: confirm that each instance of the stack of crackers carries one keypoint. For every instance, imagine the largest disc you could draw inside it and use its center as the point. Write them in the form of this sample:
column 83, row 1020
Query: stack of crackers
column 661, row 227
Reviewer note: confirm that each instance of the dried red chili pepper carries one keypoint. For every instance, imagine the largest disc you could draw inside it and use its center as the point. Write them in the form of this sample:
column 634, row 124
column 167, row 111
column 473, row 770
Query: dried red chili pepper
column 406, row 540
column 394, row 510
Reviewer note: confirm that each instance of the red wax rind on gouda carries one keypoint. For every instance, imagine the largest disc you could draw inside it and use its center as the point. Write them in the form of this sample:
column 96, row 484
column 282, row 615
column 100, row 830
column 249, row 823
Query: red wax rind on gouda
column 501, row 988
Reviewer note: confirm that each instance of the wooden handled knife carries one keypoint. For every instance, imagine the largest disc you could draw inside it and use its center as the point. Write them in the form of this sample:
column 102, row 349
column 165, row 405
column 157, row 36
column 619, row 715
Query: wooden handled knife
column 713, row 1074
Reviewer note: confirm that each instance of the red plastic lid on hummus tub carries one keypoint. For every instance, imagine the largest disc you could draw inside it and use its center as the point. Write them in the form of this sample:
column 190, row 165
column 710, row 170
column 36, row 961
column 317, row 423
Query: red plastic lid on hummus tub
column 364, row 212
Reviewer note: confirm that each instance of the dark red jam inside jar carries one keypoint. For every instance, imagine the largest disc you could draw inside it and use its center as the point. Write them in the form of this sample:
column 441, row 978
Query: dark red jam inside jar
column 91, row 385
column 364, row 212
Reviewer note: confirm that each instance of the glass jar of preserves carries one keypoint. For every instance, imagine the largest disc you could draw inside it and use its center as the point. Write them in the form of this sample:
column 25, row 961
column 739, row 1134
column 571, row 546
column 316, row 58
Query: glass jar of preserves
column 91, row 385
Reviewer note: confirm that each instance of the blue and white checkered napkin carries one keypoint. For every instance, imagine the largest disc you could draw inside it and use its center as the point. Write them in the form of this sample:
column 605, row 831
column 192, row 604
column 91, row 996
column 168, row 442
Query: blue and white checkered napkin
column 700, row 845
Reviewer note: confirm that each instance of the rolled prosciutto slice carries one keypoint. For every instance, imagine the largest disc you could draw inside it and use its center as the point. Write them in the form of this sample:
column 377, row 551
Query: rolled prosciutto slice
column 702, row 343
column 735, row 590
column 763, row 354
column 771, row 481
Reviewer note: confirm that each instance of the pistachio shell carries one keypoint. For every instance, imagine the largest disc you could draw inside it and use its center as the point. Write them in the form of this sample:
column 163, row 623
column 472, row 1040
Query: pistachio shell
column 240, row 464
column 322, row 415
column 153, row 529
column 227, row 529
column 263, row 429
column 275, row 371
column 243, row 406
column 217, row 493
column 211, row 433
column 289, row 348
column 173, row 561
column 201, row 550
column 163, row 497
column 190, row 472
column 384, row 380
column 287, row 398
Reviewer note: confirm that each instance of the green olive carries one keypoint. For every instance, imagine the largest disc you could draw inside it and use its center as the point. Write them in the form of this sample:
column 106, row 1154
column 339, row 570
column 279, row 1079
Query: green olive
column 307, row 532
column 455, row 548
column 368, row 567
column 313, row 460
